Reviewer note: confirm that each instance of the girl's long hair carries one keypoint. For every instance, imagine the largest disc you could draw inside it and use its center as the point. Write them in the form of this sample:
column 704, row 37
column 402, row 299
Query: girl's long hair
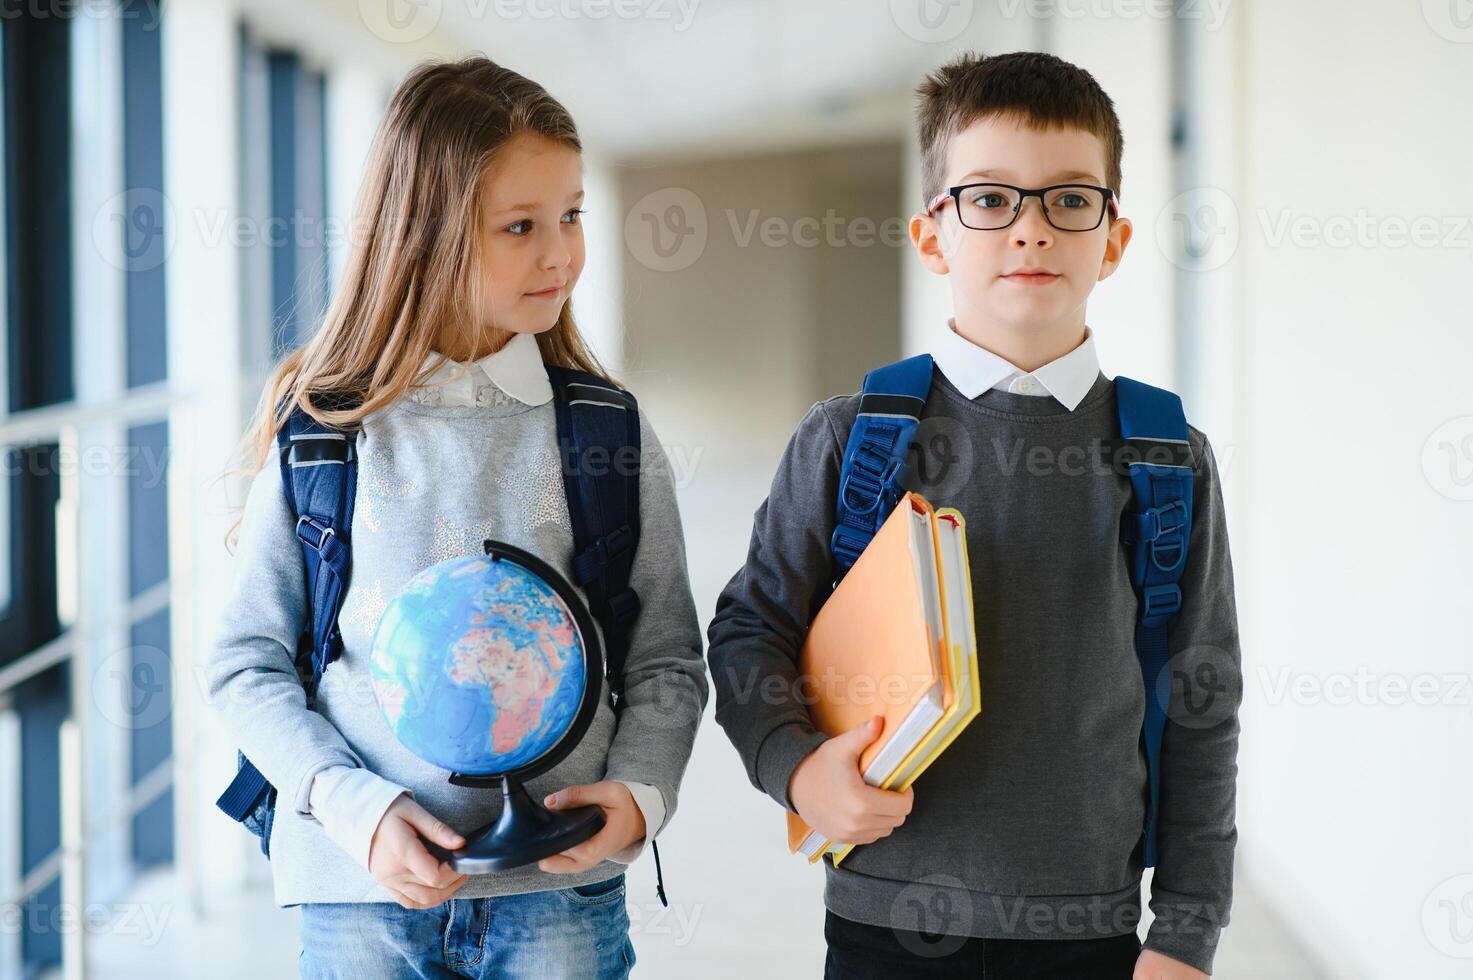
column 413, row 271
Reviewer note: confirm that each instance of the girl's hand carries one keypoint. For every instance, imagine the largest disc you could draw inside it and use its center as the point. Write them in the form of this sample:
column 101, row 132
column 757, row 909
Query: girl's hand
column 1152, row 965
column 397, row 858
column 623, row 825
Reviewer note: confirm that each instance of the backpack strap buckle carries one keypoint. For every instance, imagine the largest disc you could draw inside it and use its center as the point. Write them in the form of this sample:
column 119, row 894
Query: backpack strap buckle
column 316, row 533
column 1159, row 603
column 1152, row 525
column 1160, row 529
column 1168, row 556
column 591, row 563
column 872, row 488
column 624, row 607
column 846, row 545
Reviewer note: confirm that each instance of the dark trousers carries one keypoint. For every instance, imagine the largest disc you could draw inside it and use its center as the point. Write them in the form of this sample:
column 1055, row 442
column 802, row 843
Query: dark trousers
column 858, row 951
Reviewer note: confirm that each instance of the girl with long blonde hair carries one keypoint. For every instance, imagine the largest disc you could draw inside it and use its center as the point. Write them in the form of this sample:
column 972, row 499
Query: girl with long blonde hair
column 434, row 358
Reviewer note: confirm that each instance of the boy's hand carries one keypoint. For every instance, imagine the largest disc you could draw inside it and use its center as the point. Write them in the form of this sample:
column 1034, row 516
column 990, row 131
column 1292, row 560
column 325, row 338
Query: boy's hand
column 623, row 824
column 397, row 858
column 1152, row 965
column 832, row 797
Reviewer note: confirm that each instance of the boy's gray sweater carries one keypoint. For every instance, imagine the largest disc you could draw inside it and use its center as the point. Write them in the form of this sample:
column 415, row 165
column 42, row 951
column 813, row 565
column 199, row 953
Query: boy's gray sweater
column 1028, row 825
column 433, row 482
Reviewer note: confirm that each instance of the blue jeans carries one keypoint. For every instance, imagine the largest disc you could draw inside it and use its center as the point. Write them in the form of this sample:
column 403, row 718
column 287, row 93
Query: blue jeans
column 574, row 933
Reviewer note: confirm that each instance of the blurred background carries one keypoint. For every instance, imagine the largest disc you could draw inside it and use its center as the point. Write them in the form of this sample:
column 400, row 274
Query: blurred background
column 177, row 183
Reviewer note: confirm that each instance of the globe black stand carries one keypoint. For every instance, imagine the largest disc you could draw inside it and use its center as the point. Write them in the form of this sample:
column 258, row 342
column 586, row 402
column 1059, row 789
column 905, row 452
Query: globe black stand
column 526, row 831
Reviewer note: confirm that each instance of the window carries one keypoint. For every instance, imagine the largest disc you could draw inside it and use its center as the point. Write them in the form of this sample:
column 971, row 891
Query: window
column 49, row 71
column 38, row 209
column 149, row 680
column 143, row 177
column 36, row 55
column 151, row 745
column 7, row 555
column 284, row 194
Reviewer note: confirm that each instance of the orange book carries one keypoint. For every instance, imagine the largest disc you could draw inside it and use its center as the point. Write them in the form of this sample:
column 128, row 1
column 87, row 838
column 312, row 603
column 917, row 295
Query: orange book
column 963, row 681
column 875, row 648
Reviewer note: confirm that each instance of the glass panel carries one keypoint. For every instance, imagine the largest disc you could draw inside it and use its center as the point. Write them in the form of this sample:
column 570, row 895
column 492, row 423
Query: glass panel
column 148, row 506
column 143, row 176
column 37, row 108
column 151, row 735
column 42, row 704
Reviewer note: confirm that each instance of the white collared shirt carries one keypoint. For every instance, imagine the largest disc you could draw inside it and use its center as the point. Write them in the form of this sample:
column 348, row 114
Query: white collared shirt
column 973, row 370
column 350, row 802
column 515, row 372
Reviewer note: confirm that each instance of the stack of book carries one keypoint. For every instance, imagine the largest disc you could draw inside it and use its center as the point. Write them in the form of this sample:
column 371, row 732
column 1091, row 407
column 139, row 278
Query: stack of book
column 897, row 639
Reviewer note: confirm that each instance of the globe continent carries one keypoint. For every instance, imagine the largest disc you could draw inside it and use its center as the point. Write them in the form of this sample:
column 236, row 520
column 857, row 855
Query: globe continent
column 478, row 666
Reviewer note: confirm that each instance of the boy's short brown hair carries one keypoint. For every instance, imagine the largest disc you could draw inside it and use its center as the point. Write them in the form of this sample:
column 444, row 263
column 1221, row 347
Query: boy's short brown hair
column 1037, row 89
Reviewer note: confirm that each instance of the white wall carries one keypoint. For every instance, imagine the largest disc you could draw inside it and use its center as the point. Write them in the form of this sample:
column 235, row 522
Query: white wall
column 598, row 300
column 782, row 290
column 1130, row 312
column 1357, row 369
column 357, row 94
column 203, row 301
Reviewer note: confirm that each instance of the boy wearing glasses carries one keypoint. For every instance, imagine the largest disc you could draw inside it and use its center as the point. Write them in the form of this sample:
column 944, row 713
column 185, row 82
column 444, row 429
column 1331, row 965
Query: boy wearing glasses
column 1020, row 851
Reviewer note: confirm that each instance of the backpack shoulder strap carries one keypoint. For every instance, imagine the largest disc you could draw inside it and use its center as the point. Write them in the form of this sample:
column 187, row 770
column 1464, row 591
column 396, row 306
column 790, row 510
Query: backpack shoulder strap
column 319, row 473
column 1156, row 532
column 875, row 455
column 599, row 453
column 319, row 470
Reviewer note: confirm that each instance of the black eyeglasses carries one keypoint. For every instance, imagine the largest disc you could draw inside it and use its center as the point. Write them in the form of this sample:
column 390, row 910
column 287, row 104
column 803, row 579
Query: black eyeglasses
column 992, row 207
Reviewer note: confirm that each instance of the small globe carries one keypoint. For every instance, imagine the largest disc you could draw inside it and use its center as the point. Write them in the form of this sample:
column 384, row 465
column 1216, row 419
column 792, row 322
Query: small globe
column 479, row 666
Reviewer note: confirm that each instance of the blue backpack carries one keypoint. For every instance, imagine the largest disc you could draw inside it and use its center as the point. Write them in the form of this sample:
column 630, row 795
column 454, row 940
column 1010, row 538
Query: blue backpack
column 320, row 466
column 1156, row 531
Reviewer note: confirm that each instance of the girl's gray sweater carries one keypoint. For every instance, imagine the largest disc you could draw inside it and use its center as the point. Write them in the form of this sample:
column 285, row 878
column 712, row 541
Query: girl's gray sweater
column 433, row 482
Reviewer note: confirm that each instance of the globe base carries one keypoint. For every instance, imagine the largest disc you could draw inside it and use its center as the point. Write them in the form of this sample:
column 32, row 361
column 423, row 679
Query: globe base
column 525, row 833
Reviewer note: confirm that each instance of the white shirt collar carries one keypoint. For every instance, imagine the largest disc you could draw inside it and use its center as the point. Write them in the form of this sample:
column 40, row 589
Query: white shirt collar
column 974, row 369
column 515, row 369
